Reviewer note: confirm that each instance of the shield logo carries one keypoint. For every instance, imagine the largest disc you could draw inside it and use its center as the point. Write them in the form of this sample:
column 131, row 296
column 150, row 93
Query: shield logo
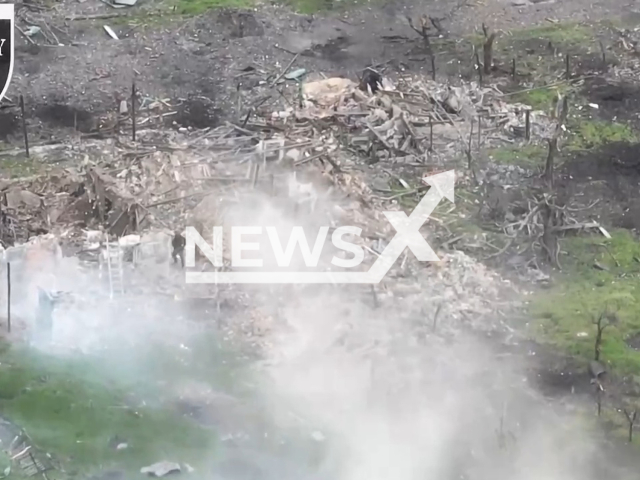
column 6, row 46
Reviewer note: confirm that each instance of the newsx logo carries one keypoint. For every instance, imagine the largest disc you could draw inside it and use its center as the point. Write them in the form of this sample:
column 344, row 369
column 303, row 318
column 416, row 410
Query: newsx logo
column 283, row 255
column 407, row 236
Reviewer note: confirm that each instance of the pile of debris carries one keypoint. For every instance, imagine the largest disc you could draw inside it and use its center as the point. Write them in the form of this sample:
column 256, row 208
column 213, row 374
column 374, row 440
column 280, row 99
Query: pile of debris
column 401, row 122
column 26, row 460
column 159, row 179
column 300, row 157
column 34, row 206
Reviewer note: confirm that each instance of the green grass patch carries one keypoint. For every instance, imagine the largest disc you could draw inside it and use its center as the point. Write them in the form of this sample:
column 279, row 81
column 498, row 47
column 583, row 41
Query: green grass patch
column 197, row 7
column 565, row 312
column 559, row 34
column 317, row 6
column 522, row 155
column 539, row 52
column 543, row 98
column 587, row 134
column 208, row 362
column 19, row 166
column 313, row 6
column 142, row 21
column 539, row 99
column 70, row 413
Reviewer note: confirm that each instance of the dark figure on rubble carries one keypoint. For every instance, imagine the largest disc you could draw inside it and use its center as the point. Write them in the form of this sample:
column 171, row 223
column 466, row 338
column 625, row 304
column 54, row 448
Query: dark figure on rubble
column 178, row 243
column 44, row 316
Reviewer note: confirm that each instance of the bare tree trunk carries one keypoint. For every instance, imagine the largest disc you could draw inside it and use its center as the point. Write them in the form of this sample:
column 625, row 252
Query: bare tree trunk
column 604, row 319
column 478, row 66
column 565, row 110
column 561, row 112
column 548, row 170
column 598, row 344
column 488, row 53
column 549, row 237
column 631, row 418
column 423, row 31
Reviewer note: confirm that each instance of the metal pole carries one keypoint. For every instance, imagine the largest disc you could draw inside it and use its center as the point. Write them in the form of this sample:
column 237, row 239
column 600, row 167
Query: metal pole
column 24, row 126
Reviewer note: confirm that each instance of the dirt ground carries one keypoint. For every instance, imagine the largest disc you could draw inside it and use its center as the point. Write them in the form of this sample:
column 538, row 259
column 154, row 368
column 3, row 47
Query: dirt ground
column 203, row 65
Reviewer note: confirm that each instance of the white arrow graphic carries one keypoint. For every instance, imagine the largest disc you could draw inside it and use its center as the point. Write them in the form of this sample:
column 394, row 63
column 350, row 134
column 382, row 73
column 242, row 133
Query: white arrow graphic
column 407, row 236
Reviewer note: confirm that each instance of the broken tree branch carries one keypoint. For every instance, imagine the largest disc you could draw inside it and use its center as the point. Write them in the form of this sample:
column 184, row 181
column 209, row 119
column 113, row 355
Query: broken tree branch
column 423, row 32
column 604, row 319
column 285, row 70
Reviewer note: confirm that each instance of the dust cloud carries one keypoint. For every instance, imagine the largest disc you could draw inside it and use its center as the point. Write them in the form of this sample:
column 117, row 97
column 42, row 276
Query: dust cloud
column 386, row 393
column 374, row 388
column 391, row 407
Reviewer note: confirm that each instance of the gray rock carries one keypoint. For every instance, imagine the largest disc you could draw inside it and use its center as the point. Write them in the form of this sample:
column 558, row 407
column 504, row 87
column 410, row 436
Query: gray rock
column 161, row 469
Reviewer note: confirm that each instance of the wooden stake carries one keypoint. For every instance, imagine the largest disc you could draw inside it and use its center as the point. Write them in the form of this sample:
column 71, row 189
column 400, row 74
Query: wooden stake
column 434, row 324
column 548, row 170
column 479, row 66
column 9, row 297
column 430, row 133
column 469, row 157
column 246, row 118
column 133, row 110
column 604, row 55
column 527, row 125
column 256, row 173
column 567, row 67
column 24, row 126
column 513, row 68
column 433, row 67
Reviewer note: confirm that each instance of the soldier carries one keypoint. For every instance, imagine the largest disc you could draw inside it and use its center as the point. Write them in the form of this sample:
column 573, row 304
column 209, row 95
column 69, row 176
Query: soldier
column 370, row 81
column 178, row 243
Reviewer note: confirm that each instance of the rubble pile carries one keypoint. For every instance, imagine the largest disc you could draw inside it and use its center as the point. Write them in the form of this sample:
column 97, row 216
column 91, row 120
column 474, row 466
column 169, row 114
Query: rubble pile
column 410, row 121
column 630, row 39
column 130, row 187
column 315, row 158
